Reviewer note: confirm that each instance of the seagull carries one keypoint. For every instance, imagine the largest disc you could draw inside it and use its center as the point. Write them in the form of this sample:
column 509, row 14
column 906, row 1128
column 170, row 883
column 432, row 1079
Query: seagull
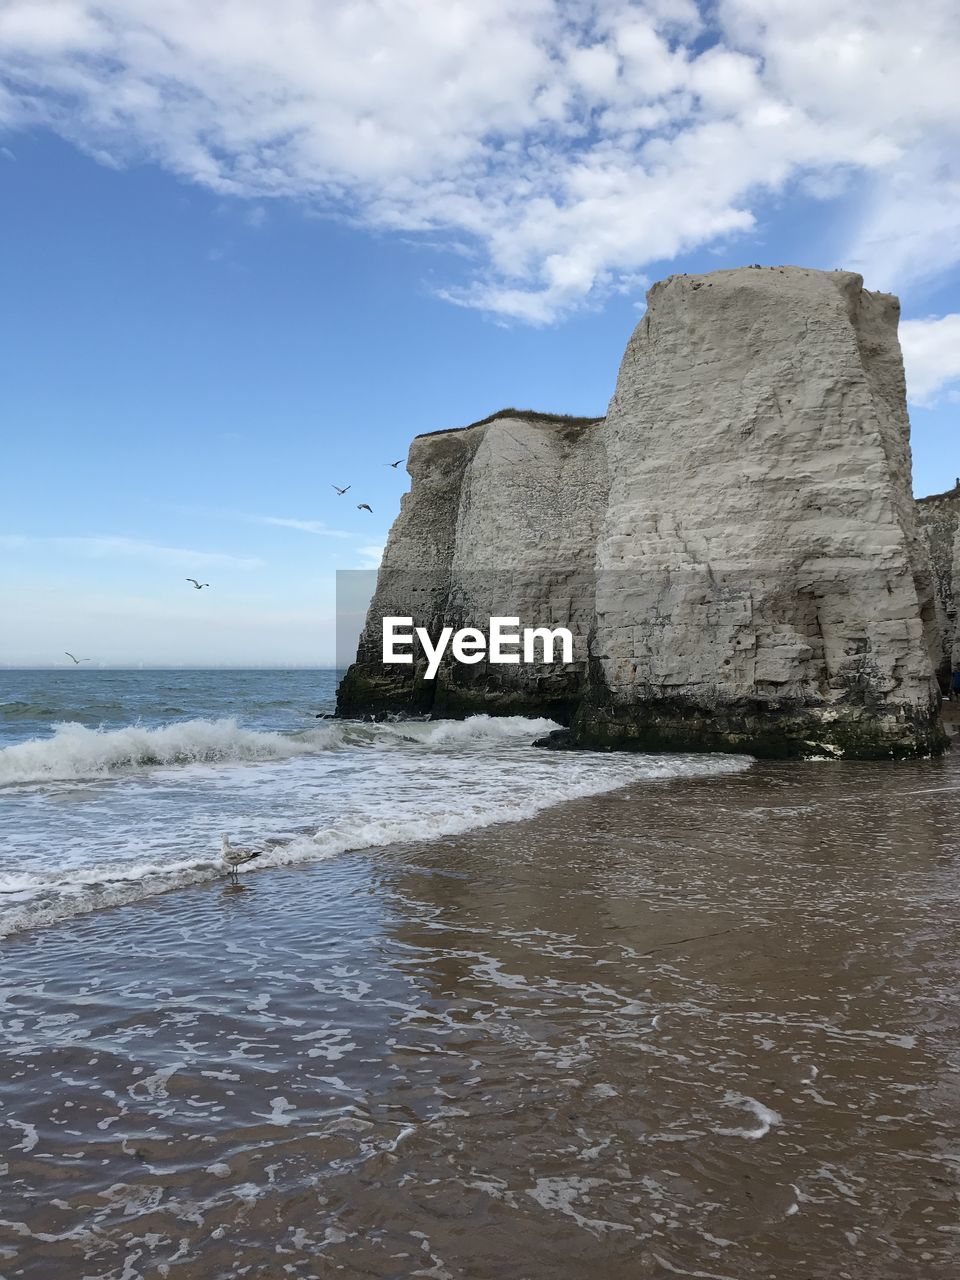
column 393, row 464
column 77, row 661
column 199, row 585
column 234, row 856
column 340, row 492
column 362, row 506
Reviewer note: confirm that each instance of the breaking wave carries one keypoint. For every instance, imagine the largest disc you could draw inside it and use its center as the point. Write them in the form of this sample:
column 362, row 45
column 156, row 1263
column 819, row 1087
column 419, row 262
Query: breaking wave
column 75, row 752
column 34, row 899
column 479, row 730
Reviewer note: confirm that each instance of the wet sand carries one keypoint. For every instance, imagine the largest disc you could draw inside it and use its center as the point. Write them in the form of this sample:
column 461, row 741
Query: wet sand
column 698, row 1027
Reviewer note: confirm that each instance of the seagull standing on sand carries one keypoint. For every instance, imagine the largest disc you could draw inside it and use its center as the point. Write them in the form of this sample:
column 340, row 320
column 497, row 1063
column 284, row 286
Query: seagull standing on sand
column 234, row 856
column 341, row 492
column 362, row 506
column 199, row 585
column 77, row 661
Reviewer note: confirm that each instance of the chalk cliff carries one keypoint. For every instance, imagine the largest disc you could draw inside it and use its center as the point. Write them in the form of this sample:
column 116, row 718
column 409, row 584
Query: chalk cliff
column 735, row 546
column 501, row 520
column 938, row 517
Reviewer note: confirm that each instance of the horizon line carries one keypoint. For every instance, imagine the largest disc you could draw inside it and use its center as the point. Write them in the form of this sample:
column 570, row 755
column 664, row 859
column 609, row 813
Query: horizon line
column 170, row 666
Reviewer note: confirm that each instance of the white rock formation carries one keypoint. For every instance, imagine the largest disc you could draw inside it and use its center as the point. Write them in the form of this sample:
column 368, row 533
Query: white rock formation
column 760, row 581
column 501, row 520
column 938, row 517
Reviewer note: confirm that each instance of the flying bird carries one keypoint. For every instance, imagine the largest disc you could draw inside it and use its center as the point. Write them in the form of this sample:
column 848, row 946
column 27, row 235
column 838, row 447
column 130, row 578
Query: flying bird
column 77, row 661
column 199, row 585
column 234, row 856
column 340, row 492
column 393, row 464
column 362, row 506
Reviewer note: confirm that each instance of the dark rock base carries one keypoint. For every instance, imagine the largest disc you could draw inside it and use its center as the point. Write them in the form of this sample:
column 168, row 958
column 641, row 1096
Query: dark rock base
column 366, row 695
column 852, row 730
column 776, row 734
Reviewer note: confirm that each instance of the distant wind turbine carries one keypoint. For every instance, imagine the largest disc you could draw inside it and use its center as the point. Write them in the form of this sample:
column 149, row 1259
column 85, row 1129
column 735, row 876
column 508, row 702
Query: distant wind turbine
column 199, row 585
column 77, row 661
column 362, row 506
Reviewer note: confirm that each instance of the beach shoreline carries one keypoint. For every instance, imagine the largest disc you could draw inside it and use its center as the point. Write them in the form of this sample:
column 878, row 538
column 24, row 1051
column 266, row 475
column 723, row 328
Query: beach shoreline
column 690, row 1026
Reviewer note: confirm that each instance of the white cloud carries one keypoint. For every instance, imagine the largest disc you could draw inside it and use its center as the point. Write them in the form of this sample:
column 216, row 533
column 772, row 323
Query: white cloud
column 129, row 549
column 372, row 555
column 572, row 144
column 305, row 526
column 931, row 356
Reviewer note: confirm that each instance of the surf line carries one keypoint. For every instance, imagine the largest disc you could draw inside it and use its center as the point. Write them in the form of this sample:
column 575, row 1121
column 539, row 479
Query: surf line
column 470, row 645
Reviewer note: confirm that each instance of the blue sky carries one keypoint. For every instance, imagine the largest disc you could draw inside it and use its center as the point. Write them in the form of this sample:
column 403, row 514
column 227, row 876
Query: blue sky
column 233, row 277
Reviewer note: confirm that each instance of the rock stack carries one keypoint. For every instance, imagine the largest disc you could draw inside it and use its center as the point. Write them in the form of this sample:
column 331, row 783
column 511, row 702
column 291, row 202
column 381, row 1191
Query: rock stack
column 939, row 520
column 735, row 546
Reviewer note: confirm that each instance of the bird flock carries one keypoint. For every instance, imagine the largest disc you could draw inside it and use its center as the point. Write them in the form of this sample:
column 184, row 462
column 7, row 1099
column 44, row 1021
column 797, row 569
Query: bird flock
column 199, row 586
column 361, row 506
column 233, row 856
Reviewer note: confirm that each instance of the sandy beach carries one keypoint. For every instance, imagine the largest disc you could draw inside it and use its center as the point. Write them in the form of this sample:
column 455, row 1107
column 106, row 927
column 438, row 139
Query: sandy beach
column 701, row 1027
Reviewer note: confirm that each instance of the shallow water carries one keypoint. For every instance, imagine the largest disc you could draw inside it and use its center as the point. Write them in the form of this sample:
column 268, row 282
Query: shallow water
column 701, row 1026
column 96, row 813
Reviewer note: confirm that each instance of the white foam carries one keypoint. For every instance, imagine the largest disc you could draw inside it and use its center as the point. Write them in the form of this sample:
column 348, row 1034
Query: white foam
column 767, row 1117
column 76, row 752
column 345, row 786
column 50, row 895
column 476, row 729
column 30, row 1135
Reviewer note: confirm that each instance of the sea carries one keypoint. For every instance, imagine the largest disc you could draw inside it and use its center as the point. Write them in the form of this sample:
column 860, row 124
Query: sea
column 117, row 785
column 480, row 1010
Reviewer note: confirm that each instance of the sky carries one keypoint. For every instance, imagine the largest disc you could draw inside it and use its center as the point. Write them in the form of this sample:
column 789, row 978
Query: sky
column 250, row 248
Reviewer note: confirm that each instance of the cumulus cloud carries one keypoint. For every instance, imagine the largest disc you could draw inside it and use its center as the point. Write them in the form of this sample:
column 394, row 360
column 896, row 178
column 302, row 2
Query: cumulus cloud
column 931, row 356
column 568, row 144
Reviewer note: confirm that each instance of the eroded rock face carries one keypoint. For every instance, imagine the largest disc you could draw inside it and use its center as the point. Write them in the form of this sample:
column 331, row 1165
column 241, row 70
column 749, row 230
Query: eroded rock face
column 759, row 582
column 779, row 598
column 501, row 520
column 414, row 579
column 938, row 517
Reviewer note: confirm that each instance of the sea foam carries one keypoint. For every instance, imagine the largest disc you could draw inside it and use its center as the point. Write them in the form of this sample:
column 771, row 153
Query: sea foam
column 76, row 752
column 146, row 806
